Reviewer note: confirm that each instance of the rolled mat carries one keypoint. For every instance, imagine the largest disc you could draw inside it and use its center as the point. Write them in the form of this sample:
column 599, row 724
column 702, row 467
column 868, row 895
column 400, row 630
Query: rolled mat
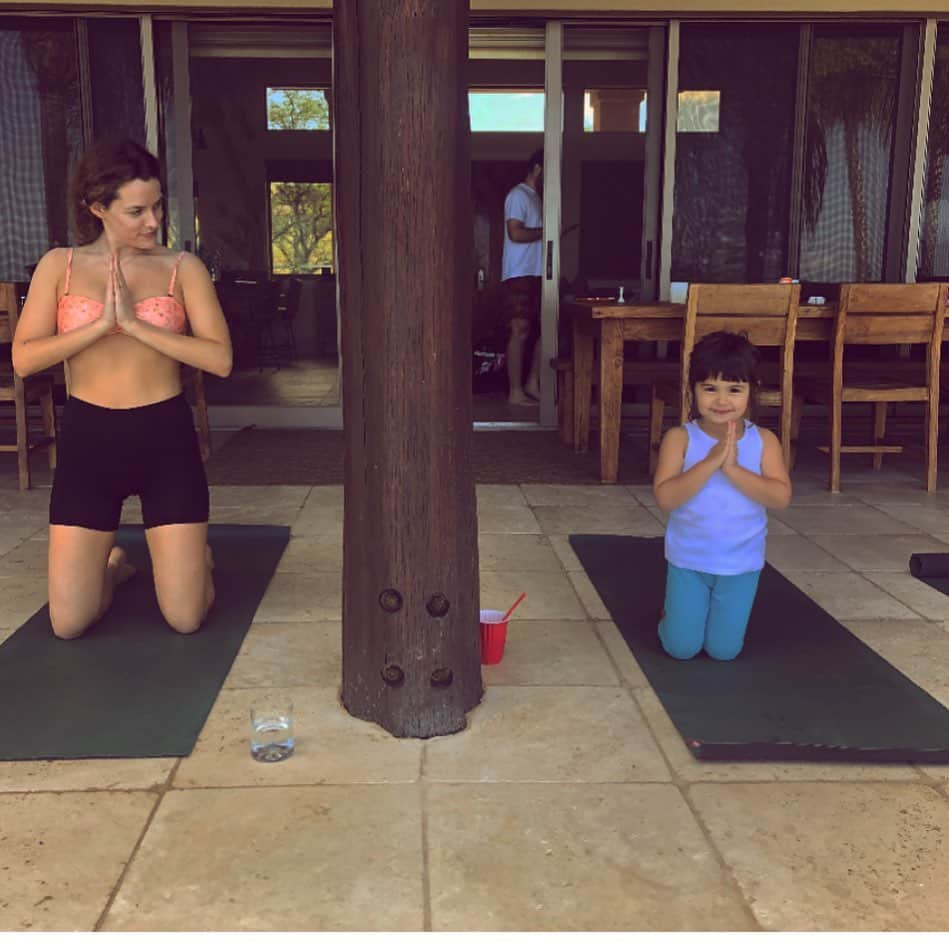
column 131, row 687
column 804, row 687
column 929, row 565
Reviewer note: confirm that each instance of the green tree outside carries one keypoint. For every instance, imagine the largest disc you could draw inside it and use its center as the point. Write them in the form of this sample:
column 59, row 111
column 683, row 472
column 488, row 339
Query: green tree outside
column 301, row 212
column 301, row 226
column 297, row 110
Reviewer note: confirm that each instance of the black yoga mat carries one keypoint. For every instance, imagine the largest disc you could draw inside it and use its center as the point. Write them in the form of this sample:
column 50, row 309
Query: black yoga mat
column 804, row 687
column 131, row 687
column 932, row 569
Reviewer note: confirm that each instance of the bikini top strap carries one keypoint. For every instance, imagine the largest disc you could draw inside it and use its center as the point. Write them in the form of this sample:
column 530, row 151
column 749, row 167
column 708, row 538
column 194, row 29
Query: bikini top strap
column 68, row 270
column 174, row 275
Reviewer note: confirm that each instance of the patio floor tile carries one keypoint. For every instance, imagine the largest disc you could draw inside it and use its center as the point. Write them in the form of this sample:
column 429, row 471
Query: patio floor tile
column 62, row 855
column 285, row 859
column 600, row 857
column 543, row 733
column 288, row 654
column 834, row 856
column 551, row 652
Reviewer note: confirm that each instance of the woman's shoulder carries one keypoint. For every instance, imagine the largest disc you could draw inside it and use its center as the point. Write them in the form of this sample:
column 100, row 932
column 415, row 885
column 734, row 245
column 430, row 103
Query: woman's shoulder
column 189, row 264
column 55, row 257
column 52, row 265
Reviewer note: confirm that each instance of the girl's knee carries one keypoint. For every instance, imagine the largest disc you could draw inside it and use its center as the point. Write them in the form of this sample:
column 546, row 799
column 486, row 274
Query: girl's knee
column 724, row 653
column 681, row 650
column 679, row 646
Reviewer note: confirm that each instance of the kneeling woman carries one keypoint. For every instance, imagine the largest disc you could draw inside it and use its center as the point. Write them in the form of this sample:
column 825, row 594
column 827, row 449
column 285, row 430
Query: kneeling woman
column 124, row 312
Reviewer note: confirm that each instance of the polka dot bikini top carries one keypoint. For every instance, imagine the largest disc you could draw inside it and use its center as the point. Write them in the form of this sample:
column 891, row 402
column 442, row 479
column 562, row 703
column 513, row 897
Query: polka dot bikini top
column 164, row 312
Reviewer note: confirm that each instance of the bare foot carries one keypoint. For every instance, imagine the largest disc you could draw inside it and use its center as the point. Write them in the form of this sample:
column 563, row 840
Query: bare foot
column 122, row 570
column 520, row 398
column 532, row 391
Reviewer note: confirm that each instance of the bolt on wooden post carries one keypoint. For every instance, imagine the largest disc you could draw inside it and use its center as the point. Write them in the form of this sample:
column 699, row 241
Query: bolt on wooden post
column 411, row 653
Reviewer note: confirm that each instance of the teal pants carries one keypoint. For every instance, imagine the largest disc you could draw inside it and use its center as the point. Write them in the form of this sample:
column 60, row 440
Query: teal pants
column 705, row 611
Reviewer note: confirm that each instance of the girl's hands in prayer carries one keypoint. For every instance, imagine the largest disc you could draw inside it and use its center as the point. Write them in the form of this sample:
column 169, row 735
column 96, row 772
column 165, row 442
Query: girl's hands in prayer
column 724, row 453
column 731, row 447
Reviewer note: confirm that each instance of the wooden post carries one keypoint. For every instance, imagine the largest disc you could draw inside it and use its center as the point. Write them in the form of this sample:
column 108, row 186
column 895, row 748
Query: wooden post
column 411, row 652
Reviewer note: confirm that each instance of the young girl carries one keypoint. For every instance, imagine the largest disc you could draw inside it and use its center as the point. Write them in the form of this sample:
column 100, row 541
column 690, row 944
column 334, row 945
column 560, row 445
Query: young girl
column 716, row 476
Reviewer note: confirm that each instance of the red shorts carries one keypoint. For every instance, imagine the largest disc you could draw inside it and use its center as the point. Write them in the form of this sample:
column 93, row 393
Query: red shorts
column 520, row 299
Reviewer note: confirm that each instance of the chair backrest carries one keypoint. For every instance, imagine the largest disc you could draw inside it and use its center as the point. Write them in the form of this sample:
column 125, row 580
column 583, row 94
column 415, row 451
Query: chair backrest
column 890, row 313
column 765, row 312
column 288, row 299
column 881, row 313
column 11, row 385
column 9, row 311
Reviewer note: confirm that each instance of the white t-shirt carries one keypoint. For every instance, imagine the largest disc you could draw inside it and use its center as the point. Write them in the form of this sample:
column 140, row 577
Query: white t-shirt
column 523, row 260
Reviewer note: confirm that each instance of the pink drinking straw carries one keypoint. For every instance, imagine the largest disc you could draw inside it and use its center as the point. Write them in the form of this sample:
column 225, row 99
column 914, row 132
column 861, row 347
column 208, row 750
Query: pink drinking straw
column 514, row 606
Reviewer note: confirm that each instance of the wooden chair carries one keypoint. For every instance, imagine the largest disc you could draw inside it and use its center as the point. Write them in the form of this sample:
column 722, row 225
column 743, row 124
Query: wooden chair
column 767, row 314
column 635, row 372
column 874, row 313
column 192, row 381
column 22, row 392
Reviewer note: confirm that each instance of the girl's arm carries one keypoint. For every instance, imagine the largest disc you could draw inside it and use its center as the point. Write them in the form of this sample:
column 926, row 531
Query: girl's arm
column 772, row 487
column 209, row 346
column 36, row 346
column 672, row 486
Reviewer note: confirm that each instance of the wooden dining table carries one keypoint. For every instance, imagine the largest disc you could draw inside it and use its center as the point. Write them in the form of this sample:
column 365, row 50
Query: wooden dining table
column 611, row 324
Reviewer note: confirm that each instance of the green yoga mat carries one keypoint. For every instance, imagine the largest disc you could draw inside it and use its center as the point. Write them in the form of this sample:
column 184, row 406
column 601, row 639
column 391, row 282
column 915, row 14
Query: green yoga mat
column 804, row 687
column 131, row 687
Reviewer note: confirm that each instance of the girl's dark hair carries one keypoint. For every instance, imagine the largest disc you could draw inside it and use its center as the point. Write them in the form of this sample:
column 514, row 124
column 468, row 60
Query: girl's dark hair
column 103, row 169
column 727, row 355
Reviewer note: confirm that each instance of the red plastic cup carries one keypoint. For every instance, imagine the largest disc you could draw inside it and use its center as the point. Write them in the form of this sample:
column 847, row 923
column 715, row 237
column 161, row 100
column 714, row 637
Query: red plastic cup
column 493, row 637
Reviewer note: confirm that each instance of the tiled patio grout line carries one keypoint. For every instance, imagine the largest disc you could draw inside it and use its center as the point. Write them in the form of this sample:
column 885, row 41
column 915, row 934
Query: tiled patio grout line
column 426, row 864
column 114, row 892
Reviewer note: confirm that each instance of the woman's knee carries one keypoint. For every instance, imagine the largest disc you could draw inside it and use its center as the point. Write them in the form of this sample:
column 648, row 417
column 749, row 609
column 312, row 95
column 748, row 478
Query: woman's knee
column 184, row 619
column 68, row 625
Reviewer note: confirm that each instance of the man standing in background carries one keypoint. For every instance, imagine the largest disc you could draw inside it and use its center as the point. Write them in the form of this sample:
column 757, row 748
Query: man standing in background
column 521, row 271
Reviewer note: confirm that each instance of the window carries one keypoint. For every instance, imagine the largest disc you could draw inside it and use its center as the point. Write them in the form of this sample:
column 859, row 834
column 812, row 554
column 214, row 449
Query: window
column 40, row 137
column 698, row 111
column 853, row 93
column 614, row 110
column 732, row 185
column 305, row 110
column 506, row 111
column 934, row 242
column 301, row 226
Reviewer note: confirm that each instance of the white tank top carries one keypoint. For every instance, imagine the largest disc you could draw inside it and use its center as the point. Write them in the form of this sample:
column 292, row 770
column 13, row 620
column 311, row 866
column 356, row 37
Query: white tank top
column 719, row 530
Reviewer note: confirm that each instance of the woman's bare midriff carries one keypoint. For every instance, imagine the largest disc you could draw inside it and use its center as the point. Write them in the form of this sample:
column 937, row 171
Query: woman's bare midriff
column 118, row 372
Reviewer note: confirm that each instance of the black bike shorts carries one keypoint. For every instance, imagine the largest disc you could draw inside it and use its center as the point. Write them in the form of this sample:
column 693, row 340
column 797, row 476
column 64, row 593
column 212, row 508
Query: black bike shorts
column 106, row 455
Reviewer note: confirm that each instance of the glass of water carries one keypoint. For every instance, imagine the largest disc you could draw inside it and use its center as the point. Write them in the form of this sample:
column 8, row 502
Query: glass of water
column 271, row 729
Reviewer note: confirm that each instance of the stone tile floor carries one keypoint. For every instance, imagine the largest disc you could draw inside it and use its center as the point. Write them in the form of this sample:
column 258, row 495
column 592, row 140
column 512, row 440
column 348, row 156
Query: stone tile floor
column 569, row 803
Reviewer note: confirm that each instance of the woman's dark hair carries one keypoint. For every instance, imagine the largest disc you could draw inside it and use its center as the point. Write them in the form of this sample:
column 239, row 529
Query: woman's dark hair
column 537, row 158
column 103, row 169
column 727, row 355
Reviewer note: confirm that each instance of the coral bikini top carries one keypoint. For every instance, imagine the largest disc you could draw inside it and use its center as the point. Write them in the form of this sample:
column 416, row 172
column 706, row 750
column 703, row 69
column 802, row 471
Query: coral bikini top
column 164, row 312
